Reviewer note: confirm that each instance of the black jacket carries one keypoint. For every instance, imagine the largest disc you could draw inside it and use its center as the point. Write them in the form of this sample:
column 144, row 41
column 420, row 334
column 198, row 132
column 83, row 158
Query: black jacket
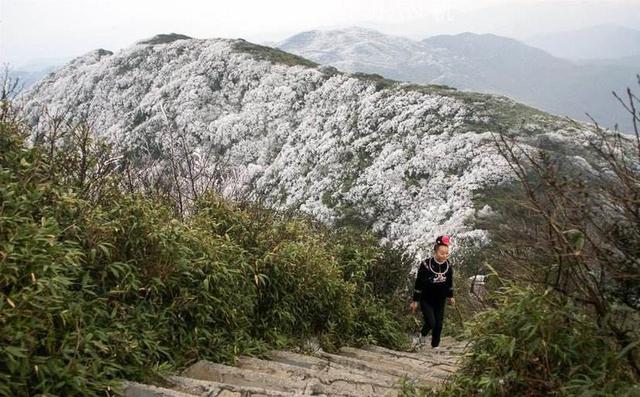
column 431, row 287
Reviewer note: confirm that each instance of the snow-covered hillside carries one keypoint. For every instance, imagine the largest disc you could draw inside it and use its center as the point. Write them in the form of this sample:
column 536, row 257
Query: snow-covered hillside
column 404, row 160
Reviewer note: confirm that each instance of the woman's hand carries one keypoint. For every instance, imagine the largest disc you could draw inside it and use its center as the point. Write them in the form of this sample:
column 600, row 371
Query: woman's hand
column 451, row 301
column 414, row 307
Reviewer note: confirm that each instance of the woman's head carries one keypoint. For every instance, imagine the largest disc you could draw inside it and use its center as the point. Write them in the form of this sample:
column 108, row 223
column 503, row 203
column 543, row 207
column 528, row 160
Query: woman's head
column 441, row 248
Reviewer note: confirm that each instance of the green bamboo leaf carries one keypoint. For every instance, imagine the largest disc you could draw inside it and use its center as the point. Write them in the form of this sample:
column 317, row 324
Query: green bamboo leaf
column 628, row 348
column 16, row 351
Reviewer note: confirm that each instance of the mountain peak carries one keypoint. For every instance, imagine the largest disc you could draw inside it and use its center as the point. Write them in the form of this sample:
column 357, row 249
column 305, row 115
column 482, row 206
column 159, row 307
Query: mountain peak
column 91, row 57
column 362, row 48
column 349, row 34
column 164, row 38
column 358, row 30
column 473, row 38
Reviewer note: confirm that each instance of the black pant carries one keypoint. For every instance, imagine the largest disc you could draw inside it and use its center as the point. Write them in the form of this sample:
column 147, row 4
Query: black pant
column 433, row 313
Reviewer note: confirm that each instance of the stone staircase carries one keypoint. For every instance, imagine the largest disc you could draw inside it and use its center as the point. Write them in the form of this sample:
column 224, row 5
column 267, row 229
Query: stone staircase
column 369, row 371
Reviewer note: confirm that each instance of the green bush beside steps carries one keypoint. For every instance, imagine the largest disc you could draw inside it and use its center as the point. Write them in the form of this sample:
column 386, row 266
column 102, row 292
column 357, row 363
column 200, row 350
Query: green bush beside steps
column 93, row 291
column 536, row 343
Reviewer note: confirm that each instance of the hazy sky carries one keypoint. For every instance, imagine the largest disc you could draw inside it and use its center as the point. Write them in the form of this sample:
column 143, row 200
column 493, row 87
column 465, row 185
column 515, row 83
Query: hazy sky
column 31, row 29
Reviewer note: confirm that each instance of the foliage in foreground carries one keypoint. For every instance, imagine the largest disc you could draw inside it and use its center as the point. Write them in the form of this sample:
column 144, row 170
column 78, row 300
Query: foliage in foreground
column 574, row 232
column 117, row 287
column 536, row 344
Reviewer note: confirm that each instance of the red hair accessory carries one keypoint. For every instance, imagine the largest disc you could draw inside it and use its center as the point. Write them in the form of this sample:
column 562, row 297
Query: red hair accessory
column 443, row 240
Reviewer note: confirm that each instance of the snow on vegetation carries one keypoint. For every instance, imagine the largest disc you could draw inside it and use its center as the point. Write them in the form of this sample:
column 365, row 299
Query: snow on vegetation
column 403, row 162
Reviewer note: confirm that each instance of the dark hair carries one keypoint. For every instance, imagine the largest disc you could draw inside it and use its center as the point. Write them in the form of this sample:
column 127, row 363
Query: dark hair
column 436, row 246
column 441, row 240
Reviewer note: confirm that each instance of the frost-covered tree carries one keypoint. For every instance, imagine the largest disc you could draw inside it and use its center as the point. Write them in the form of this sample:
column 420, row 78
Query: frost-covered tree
column 192, row 114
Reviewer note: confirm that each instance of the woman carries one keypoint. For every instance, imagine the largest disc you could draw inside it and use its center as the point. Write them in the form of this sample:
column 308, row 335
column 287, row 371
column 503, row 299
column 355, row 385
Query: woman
column 434, row 286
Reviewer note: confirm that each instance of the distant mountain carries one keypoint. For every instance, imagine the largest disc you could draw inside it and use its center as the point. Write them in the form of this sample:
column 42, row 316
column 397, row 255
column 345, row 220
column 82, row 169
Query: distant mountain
column 407, row 161
column 37, row 64
column 355, row 50
column 29, row 73
column 485, row 63
column 597, row 42
column 520, row 19
column 28, row 78
column 632, row 61
column 495, row 64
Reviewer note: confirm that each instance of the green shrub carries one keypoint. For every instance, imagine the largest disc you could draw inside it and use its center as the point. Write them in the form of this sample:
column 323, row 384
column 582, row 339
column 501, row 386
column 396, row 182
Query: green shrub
column 119, row 288
column 311, row 280
column 273, row 55
column 380, row 82
column 536, row 343
column 164, row 39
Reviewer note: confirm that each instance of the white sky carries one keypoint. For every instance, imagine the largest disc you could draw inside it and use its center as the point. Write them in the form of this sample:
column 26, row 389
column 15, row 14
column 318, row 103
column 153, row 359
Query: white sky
column 31, row 29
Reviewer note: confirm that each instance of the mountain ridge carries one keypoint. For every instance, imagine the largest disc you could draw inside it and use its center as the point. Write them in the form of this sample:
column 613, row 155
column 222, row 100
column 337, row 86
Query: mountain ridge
column 605, row 41
column 400, row 159
column 481, row 62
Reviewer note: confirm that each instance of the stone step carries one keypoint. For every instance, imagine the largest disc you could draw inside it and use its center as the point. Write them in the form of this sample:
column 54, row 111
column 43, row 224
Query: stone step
column 411, row 365
column 422, row 365
column 298, row 359
column 448, row 346
column 323, row 364
column 220, row 373
column 441, row 352
column 448, row 364
column 216, row 389
column 337, row 381
column 133, row 389
column 382, row 367
column 282, row 381
column 449, row 342
column 368, row 371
